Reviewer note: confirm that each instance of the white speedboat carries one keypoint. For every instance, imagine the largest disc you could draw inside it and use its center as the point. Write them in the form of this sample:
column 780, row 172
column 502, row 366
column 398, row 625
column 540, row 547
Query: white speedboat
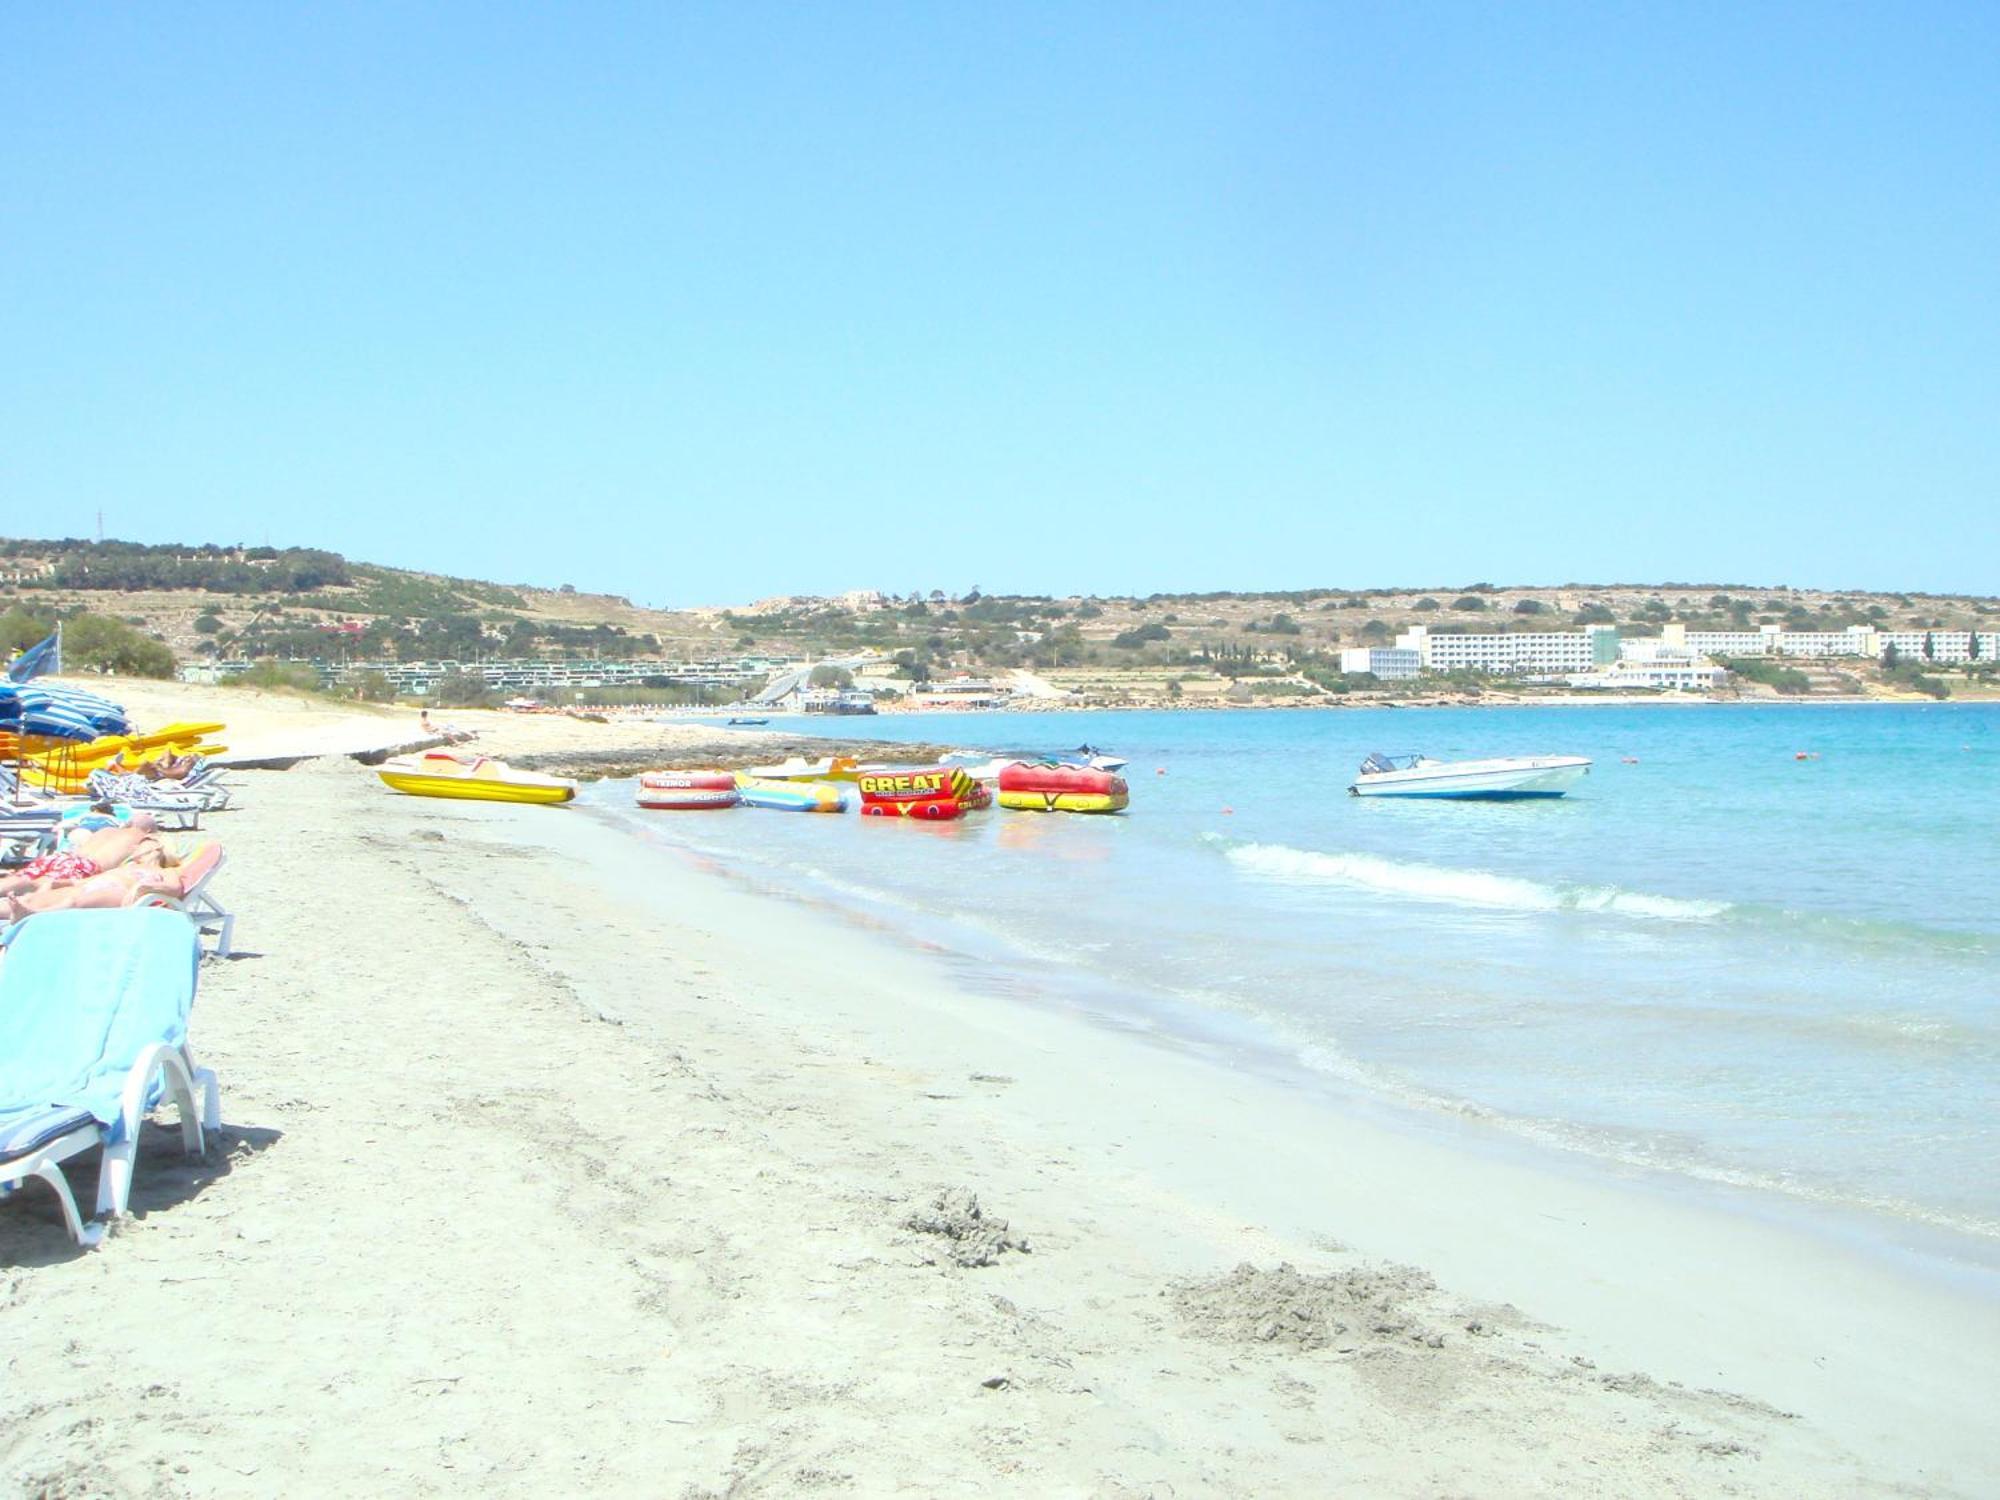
column 1507, row 776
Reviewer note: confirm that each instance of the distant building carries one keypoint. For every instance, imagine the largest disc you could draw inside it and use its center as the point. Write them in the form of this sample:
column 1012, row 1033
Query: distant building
column 1655, row 666
column 1941, row 645
column 1856, row 640
column 1390, row 663
column 961, row 692
column 1512, row 653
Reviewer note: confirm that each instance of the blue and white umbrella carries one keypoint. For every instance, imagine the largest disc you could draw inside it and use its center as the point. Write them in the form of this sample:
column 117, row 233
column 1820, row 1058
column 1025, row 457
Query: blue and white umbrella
column 63, row 713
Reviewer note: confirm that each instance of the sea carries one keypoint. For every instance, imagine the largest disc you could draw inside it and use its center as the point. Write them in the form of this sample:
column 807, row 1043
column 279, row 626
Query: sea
column 1758, row 947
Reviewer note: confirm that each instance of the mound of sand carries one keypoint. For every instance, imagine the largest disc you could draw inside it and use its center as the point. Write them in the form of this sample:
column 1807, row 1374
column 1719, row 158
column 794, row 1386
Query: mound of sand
column 1288, row 1309
column 959, row 1230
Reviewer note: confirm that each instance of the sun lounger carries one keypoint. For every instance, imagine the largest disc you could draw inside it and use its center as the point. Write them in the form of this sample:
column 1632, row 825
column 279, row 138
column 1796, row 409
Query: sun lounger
column 94, row 1010
column 156, row 797
column 35, row 1141
column 26, row 831
column 197, row 899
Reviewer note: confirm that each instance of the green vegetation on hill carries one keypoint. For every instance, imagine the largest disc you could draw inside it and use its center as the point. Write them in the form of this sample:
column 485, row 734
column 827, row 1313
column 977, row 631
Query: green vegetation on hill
column 130, row 567
column 1789, row 681
column 91, row 643
column 237, row 603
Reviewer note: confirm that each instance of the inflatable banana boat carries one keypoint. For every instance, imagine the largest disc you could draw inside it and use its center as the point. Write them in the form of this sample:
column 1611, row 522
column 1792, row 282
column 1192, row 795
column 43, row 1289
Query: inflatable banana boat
column 1048, row 787
column 932, row 794
column 790, row 796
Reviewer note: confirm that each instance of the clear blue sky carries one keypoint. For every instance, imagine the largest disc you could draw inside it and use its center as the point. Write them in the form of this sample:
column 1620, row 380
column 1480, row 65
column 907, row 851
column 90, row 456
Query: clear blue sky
column 706, row 302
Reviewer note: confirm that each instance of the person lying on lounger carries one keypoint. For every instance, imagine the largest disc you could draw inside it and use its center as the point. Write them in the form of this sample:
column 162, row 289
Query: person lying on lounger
column 112, row 867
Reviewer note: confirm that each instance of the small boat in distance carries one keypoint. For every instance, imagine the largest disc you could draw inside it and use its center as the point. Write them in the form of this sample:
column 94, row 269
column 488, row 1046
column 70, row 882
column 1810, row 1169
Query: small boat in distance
column 746, row 723
column 1495, row 780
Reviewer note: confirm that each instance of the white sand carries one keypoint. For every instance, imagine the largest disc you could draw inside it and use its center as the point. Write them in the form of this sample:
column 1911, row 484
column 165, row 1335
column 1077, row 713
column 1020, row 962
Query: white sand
column 554, row 1163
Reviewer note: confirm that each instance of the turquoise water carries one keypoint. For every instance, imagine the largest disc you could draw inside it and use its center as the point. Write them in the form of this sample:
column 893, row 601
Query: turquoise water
column 1713, row 957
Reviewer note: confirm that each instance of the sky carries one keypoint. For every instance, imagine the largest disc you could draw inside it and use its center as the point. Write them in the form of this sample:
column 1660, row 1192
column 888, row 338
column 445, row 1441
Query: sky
column 705, row 303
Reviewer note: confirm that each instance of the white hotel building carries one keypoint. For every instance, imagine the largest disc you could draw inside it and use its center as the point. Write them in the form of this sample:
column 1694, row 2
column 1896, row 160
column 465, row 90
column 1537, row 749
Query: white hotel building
column 1513, row 652
column 1855, row 640
column 1678, row 658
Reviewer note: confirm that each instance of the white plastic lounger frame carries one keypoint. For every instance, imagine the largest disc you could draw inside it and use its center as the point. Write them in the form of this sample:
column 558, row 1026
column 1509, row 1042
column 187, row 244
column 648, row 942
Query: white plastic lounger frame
column 199, row 906
column 176, row 1067
column 45, row 1161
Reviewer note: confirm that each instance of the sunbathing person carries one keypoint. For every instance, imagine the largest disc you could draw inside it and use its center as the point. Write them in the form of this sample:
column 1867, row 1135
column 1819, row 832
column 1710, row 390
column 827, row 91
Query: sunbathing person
column 93, row 854
column 152, row 871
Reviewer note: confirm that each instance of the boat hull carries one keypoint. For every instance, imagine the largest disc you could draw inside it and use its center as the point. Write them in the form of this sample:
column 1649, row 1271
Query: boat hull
column 1477, row 781
column 467, row 789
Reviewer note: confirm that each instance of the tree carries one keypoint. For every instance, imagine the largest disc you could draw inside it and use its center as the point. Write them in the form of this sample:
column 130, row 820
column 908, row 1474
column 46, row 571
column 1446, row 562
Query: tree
column 372, row 687
column 20, row 630
column 1930, row 647
column 1891, row 657
column 463, row 690
column 1529, row 607
column 1972, row 646
column 98, row 643
column 268, row 672
column 827, row 675
column 1466, row 602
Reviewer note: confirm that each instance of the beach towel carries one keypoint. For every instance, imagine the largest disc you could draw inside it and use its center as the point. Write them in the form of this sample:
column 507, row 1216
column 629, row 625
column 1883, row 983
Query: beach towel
column 82, row 995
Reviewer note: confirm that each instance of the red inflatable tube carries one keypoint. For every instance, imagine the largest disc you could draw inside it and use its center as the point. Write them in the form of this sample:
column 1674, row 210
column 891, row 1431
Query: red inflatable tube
column 688, row 781
column 1054, row 778
column 929, row 810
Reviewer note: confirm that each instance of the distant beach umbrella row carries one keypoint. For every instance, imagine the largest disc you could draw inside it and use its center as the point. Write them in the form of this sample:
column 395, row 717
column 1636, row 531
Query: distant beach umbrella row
column 64, row 713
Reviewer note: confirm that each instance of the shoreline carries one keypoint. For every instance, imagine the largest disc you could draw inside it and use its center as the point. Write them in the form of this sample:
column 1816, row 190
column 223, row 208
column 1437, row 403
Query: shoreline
column 1932, row 1239
column 556, row 1161
column 1599, row 1277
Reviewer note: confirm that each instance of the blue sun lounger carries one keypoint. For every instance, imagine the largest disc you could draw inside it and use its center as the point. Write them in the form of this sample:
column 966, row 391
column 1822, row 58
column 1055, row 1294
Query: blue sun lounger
column 94, row 1012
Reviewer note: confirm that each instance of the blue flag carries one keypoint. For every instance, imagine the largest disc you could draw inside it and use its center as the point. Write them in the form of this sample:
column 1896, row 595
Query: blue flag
column 47, row 657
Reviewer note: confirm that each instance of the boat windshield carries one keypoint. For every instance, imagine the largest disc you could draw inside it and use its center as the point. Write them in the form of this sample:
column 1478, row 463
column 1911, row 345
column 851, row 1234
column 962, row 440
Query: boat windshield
column 1377, row 763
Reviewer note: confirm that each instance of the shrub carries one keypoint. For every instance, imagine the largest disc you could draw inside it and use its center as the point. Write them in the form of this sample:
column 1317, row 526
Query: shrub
column 370, row 686
column 1132, row 639
column 269, row 673
column 20, row 630
column 98, row 643
column 1530, row 607
column 1468, row 602
column 1789, row 681
column 463, row 690
column 1912, row 678
column 207, row 624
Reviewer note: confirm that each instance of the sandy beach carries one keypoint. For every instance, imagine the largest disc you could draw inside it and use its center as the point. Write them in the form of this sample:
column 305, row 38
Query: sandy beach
column 553, row 1160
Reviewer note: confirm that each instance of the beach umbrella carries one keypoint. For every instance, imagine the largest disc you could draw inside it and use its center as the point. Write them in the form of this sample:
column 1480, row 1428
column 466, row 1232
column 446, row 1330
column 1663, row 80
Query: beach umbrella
column 57, row 712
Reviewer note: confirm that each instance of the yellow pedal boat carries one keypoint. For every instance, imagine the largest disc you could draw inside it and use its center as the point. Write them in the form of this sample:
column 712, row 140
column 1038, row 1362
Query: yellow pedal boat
column 471, row 778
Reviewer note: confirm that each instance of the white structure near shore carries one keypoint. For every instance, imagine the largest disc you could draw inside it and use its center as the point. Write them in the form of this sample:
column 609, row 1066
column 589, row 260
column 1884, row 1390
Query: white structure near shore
column 1512, row 652
column 1677, row 657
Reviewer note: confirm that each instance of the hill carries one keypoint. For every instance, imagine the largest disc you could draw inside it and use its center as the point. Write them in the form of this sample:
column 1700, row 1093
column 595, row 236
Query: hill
column 212, row 602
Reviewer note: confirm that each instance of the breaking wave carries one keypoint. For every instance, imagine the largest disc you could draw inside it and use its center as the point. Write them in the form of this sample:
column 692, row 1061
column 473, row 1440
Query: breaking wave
column 1476, row 888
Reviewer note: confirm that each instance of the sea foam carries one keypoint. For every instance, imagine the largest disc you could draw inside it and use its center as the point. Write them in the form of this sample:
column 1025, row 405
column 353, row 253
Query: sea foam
column 1458, row 887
